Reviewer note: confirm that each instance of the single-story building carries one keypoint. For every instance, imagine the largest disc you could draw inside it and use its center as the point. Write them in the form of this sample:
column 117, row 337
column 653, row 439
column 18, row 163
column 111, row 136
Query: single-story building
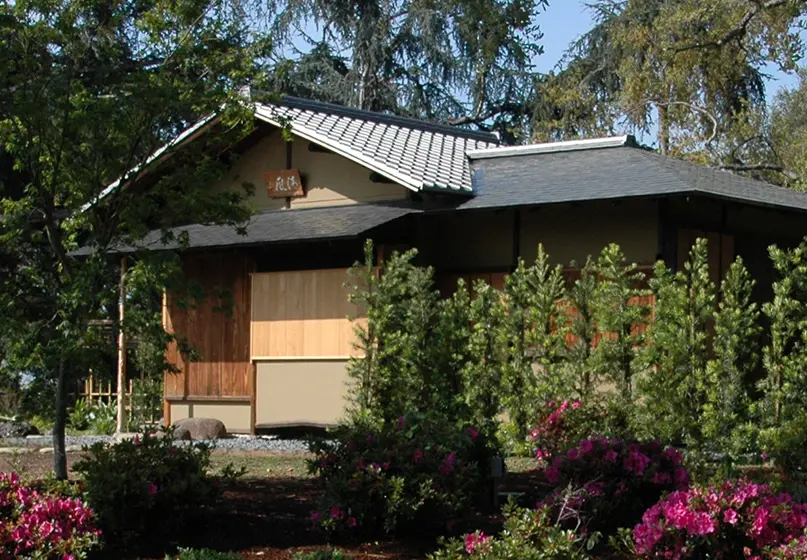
column 471, row 207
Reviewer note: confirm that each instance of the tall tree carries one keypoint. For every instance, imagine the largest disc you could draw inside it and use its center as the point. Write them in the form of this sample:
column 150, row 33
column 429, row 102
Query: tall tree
column 468, row 62
column 88, row 91
column 692, row 71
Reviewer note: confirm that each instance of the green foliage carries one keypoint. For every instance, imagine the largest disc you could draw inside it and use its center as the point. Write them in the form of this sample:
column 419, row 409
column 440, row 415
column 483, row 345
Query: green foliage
column 462, row 61
column 582, row 373
column 88, row 95
column 413, row 344
column 735, row 349
column 203, row 554
column 533, row 332
column 147, row 490
column 79, row 416
column 326, row 554
column 619, row 313
column 673, row 390
column 692, row 71
column 781, row 411
column 147, row 403
column 527, row 534
column 418, row 472
column 483, row 370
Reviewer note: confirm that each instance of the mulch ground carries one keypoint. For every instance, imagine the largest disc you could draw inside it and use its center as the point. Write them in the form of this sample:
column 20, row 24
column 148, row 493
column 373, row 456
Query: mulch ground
column 268, row 518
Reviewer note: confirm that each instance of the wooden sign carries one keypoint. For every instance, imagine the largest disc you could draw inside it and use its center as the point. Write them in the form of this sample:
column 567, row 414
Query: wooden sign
column 283, row 183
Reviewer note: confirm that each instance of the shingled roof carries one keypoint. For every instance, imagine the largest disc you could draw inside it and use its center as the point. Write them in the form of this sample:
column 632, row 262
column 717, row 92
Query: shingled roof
column 417, row 154
column 276, row 226
column 603, row 169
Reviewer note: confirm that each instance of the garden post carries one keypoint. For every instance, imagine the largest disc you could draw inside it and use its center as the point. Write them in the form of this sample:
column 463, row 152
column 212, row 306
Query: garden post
column 121, row 421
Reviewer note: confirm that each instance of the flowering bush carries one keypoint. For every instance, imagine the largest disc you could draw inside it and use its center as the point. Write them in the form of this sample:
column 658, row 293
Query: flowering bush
column 564, row 424
column 735, row 520
column 41, row 526
column 420, row 471
column 610, row 482
column 528, row 534
column 147, row 488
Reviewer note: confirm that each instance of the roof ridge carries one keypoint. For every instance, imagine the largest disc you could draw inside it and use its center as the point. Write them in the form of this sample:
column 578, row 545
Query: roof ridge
column 387, row 118
column 625, row 141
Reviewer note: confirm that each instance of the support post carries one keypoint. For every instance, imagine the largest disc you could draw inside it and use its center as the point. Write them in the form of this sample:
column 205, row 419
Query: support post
column 121, row 423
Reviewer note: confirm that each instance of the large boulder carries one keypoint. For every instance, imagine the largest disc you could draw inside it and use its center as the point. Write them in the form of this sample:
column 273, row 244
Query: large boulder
column 199, row 428
column 14, row 429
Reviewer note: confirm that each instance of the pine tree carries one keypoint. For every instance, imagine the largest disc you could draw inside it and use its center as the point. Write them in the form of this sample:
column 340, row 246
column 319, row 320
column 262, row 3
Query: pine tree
column 620, row 311
column 487, row 356
column 581, row 369
column 672, row 392
column 735, row 349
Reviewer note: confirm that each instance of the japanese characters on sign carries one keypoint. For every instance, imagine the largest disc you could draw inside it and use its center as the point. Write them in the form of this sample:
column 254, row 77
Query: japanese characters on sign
column 283, row 183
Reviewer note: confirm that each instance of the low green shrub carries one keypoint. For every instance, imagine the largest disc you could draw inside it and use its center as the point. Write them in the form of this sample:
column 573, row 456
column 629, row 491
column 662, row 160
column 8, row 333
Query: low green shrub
column 203, row 554
column 327, row 554
column 527, row 535
column 147, row 489
column 422, row 471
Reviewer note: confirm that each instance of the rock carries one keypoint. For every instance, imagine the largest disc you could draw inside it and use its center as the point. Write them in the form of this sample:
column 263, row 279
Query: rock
column 182, row 433
column 125, row 436
column 17, row 429
column 14, row 450
column 201, row 428
column 67, row 449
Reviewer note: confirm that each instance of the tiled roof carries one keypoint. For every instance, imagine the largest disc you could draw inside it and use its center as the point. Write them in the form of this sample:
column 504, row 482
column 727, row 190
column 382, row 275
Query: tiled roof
column 277, row 226
column 613, row 172
column 418, row 154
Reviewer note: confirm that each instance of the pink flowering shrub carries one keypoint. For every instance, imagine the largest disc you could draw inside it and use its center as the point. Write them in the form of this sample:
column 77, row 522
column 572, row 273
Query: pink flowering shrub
column 42, row 526
column 528, row 534
column 609, row 483
column 735, row 520
column 145, row 491
column 563, row 424
column 421, row 471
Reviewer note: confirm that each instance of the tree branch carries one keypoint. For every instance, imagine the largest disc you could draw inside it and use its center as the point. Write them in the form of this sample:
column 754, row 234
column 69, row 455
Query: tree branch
column 790, row 174
column 737, row 31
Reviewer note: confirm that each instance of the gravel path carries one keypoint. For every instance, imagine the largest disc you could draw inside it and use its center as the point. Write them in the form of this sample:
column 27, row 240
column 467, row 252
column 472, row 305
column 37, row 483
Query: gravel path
column 236, row 443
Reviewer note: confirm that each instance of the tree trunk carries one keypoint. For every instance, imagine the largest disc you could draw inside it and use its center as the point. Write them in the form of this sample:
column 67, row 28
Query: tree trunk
column 59, row 453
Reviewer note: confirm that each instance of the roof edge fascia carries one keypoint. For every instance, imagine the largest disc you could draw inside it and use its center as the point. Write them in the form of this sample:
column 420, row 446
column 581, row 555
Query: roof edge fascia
column 552, row 147
column 189, row 134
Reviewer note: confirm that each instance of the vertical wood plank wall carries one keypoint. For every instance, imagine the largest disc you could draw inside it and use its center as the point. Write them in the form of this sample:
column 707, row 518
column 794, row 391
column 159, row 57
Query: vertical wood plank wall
column 224, row 368
column 301, row 314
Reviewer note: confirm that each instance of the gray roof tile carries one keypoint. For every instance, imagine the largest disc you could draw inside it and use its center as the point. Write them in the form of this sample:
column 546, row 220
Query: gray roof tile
column 611, row 173
column 278, row 226
column 426, row 155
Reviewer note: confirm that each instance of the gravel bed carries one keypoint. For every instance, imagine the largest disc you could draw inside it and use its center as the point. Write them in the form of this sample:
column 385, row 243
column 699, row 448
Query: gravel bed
column 236, row 443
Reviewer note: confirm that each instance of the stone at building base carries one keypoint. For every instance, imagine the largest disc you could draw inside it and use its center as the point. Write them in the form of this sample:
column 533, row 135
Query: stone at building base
column 201, row 428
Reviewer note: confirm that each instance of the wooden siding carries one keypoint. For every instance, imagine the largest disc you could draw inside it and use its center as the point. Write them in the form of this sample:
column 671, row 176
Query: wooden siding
column 301, row 314
column 218, row 331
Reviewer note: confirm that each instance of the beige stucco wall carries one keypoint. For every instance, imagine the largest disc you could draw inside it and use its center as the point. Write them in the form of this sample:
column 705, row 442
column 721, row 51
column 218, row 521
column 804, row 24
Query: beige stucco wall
column 300, row 392
column 573, row 232
column 329, row 179
column 236, row 416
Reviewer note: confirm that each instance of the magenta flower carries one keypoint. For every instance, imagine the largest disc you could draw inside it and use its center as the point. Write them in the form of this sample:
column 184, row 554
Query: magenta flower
column 315, row 517
column 418, row 456
column 151, row 488
column 473, row 433
column 336, row 512
column 351, row 522
column 401, row 423
column 475, row 541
